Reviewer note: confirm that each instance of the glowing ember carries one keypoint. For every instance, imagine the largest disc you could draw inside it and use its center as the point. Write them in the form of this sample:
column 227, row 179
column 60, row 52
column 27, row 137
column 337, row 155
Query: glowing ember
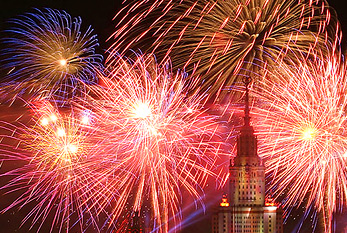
column 308, row 134
column 141, row 110
column 63, row 62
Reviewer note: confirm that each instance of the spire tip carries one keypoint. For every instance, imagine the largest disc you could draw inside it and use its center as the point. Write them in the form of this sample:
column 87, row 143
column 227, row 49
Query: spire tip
column 247, row 81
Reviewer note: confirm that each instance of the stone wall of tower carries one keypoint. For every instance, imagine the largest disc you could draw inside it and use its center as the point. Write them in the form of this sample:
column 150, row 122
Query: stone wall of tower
column 221, row 221
column 242, row 219
column 247, row 186
column 247, row 173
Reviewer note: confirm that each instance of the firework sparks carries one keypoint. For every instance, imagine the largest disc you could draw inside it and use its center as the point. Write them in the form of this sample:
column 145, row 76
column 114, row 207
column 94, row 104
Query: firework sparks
column 162, row 137
column 301, row 125
column 217, row 40
column 48, row 54
column 60, row 174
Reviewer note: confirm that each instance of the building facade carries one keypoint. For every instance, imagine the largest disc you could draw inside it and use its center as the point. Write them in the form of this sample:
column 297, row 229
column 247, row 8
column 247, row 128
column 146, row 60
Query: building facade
column 244, row 209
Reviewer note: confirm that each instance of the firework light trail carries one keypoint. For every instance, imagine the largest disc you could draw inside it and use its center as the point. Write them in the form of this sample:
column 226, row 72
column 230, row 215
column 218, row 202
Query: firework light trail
column 301, row 123
column 164, row 142
column 47, row 53
column 218, row 39
column 60, row 178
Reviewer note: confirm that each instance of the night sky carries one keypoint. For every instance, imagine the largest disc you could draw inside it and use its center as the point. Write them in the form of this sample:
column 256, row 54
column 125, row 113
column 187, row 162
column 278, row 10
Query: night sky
column 99, row 15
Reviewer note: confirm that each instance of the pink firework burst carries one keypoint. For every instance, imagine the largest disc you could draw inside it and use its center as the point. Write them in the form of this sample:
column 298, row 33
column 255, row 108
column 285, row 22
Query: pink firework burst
column 301, row 122
column 57, row 175
column 160, row 141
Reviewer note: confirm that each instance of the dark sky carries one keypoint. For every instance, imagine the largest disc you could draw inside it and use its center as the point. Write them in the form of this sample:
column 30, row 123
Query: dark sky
column 99, row 14
column 341, row 6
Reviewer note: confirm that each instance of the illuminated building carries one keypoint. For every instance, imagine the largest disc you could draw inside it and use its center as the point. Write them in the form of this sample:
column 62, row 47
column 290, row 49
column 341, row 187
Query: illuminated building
column 244, row 210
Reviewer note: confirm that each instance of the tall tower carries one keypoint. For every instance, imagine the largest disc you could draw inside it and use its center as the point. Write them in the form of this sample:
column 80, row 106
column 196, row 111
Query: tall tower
column 247, row 173
column 247, row 210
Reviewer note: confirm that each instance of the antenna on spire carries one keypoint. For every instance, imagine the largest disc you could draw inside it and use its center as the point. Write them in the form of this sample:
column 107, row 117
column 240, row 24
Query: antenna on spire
column 247, row 81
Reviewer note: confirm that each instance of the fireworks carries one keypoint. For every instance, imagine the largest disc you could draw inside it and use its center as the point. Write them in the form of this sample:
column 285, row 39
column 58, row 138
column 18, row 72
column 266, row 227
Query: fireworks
column 60, row 174
column 301, row 125
column 144, row 138
column 154, row 131
column 49, row 54
column 218, row 39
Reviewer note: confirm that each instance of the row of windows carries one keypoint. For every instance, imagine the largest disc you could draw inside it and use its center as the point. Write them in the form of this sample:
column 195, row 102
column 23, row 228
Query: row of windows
column 246, row 181
column 253, row 172
column 241, row 229
column 246, row 189
column 250, row 186
column 249, row 217
column 247, row 199
column 249, row 222
column 255, row 230
column 243, row 192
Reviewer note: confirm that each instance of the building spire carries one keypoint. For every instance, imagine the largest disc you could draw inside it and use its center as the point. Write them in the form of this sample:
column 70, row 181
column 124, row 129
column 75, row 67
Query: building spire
column 247, row 81
column 247, row 141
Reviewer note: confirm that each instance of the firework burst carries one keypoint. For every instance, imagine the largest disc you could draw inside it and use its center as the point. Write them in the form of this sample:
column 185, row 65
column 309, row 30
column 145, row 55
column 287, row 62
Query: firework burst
column 217, row 40
column 59, row 176
column 48, row 54
column 163, row 141
column 301, row 125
